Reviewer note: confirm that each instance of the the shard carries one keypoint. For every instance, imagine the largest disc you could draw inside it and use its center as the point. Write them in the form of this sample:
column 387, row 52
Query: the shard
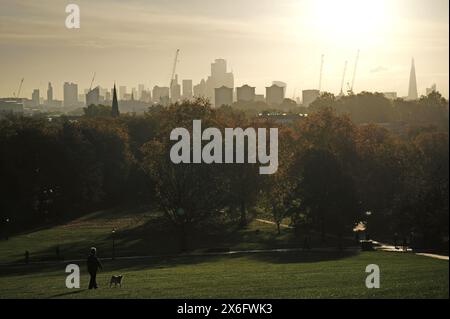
column 412, row 91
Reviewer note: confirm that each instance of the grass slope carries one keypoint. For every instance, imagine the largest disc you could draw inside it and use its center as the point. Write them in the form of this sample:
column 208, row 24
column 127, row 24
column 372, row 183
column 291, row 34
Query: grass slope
column 267, row 275
column 261, row 275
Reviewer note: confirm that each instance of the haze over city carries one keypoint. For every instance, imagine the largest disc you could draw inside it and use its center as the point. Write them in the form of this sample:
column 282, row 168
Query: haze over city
column 262, row 41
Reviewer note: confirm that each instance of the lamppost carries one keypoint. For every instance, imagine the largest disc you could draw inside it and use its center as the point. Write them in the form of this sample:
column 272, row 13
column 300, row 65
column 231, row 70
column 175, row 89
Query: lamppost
column 113, row 235
column 368, row 214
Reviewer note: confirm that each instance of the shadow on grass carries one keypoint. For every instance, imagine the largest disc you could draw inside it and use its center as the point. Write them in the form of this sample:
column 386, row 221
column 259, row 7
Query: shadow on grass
column 160, row 262
column 65, row 294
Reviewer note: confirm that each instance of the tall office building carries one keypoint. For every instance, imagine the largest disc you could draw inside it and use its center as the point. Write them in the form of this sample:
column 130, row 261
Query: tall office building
column 93, row 97
column 281, row 84
column 412, row 91
column 49, row 93
column 175, row 90
column 141, row 89
column 219, row 77
column 35, row 97
column 274, row 95
column 245, row 93
column 187, row 89
column 223, row 96
column 70, row 94
column 122, row 92
column 200, row 89
column 161, row 95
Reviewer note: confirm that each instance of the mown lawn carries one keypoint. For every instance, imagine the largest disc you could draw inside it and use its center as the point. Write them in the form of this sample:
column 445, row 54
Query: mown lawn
column 259, row 275
column 262, row 275
column 140, row 232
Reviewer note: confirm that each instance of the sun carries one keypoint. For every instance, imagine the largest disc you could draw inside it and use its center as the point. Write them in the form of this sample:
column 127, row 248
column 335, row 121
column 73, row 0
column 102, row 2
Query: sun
column 348, row 20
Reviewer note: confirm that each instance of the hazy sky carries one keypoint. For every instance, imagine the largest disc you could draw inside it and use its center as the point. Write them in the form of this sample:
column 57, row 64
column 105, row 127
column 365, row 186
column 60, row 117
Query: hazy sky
column 134, row 41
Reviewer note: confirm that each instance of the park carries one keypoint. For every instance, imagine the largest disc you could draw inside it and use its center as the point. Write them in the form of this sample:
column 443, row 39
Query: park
column 342, row 192
column 257, row 272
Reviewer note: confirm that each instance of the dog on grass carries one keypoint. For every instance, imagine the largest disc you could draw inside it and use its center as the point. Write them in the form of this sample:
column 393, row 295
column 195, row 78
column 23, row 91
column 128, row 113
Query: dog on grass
column 116, row 280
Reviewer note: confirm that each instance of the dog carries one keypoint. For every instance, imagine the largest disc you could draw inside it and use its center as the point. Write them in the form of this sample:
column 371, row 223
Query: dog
column 116, row 280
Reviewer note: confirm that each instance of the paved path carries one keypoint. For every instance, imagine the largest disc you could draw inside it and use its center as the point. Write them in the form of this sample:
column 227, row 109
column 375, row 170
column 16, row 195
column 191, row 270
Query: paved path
column 380, row 246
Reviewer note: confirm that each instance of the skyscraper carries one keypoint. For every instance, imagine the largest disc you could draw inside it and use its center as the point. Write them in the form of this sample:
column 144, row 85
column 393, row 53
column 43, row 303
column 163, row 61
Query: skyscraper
column 70, row 94
column 35, row 98
column 219, row 77
column 187, row 89
column 245, row 93
column 49, row 93
column 122, row 92
column 115, row 104
column 223, row 96
column 175, row 90
column 141, row 88
column 274, row 95
column 93, row 97
column 412, row 91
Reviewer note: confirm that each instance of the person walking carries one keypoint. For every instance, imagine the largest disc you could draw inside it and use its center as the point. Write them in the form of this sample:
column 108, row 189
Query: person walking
column 93, row 264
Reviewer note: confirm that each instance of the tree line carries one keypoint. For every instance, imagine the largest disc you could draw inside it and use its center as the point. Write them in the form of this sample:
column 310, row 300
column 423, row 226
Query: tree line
column 332, row 171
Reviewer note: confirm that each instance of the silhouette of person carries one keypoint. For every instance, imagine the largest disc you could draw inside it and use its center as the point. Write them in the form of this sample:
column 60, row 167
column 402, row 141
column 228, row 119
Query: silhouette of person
column 93, row 264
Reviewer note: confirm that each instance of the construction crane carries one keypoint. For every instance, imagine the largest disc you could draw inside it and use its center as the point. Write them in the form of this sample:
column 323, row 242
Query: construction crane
column 92, row 82
column 343, row 78
column 174, row 68
column 354, row 73
column 321, row 71
column 19, row 89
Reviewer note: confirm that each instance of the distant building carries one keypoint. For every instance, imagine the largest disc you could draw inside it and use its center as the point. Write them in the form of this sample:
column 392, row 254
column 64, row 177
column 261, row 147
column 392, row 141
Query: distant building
column 431, row 89
column 49, row 93
column 200, row 89
column 245, row 93
column 93, row 97
column 35, row 98
column 309, row 96
column 281, row 84
column 70, row 94
column 390, row 95
column 160, row 95
column 11, row 106
column 187, row 89
column 412, row 90
column 223, row 96
column 219, row 77
column 274, row 95
column 122, row 92
column 141, row 88
column 146, row 96
column 175, row 90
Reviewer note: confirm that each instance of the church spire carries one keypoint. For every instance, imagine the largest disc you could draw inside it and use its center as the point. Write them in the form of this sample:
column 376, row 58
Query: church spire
column 115, row 104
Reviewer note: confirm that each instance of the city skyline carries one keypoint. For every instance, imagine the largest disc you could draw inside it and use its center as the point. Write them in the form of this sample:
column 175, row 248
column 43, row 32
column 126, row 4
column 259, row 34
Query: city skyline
column 263, row 41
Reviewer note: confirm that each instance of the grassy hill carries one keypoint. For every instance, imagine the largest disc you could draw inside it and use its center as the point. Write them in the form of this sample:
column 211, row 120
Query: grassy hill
column 314, row 274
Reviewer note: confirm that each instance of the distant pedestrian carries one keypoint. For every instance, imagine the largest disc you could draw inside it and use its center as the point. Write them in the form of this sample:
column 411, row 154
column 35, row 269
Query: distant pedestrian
column 93, row 264
column 27, row 257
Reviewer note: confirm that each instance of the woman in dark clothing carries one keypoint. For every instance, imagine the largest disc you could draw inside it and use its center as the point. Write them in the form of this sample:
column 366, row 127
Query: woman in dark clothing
column 93, row 264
